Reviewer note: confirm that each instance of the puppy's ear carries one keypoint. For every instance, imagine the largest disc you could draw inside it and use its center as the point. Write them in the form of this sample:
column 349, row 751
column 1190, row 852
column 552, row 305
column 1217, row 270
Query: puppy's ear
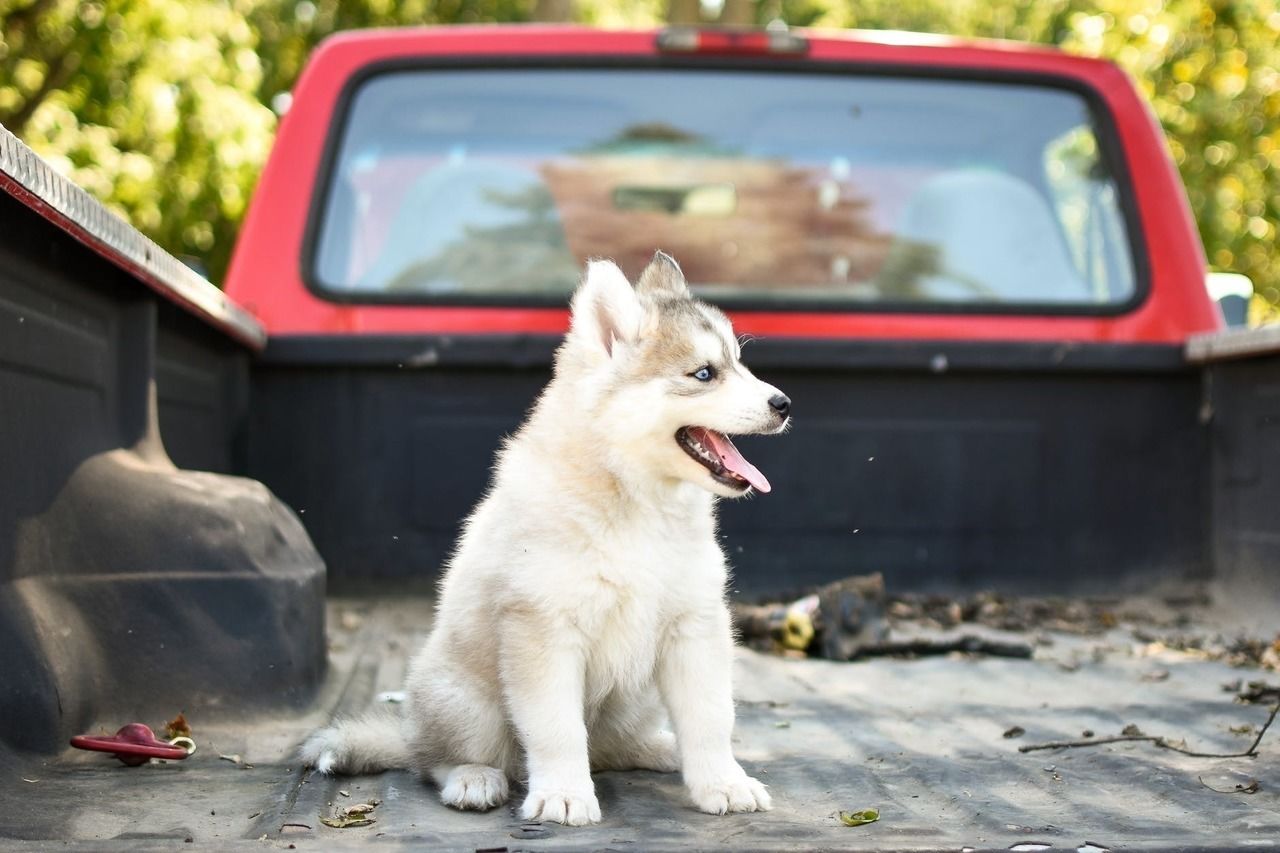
column 605, row 308
column 662, row 276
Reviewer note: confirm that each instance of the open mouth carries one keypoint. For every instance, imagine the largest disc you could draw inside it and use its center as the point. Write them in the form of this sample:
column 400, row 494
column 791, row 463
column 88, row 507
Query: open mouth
column 715, row 452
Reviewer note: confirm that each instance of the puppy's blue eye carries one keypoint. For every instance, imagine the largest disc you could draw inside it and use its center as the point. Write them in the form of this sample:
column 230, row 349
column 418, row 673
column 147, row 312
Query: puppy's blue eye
column 704, row 374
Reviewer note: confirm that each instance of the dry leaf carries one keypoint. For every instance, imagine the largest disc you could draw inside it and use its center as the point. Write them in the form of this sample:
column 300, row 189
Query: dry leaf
column 345, row 821
column 356, row 815
column 860, row 818
column 177, row 727
column 1251, row 787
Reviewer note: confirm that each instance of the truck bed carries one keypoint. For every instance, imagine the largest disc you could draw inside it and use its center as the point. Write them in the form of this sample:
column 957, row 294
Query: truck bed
column 923, row 740
column 168, row 469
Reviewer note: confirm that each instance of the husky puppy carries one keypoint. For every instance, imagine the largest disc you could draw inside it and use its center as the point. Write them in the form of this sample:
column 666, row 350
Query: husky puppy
column 585, row 604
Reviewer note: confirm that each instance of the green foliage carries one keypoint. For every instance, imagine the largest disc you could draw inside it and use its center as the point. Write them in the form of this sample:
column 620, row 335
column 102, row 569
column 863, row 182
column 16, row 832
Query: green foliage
column 149, row 105
column 162, row 108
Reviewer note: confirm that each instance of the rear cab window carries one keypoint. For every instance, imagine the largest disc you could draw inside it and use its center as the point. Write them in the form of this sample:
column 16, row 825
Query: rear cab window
column 773, row 189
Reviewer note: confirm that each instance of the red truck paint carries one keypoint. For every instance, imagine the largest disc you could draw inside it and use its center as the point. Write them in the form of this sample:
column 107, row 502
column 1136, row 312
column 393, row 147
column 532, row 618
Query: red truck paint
column 265, row 274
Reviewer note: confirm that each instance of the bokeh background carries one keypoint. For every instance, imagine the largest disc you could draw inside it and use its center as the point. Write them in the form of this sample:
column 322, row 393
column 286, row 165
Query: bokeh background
column 166, row 109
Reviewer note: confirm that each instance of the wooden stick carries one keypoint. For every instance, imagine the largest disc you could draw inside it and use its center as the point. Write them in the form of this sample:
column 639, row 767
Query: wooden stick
column 1161, row 742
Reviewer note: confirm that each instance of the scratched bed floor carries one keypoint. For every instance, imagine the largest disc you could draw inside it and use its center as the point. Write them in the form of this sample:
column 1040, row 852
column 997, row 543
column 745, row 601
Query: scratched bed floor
column 921, row 740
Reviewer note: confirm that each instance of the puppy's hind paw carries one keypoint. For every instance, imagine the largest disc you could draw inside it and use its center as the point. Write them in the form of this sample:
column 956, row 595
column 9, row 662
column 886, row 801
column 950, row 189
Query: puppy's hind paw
column 656, row 751
column 366, row 744
column 572, row 808
column 474, row 786
column 321, row 751
column 739, row 794
column 659, row 752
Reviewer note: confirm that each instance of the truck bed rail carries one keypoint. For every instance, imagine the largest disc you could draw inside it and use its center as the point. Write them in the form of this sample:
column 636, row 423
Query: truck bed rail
column 31, row 180
column 1233, row 343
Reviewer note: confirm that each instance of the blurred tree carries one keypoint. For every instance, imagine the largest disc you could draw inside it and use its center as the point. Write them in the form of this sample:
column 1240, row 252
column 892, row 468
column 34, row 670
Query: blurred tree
column 151, row 106
column 288, row 30
column 553, row 10
column 162, row 108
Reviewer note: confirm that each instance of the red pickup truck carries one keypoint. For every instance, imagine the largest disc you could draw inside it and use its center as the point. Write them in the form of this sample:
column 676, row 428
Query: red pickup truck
column 970, row 265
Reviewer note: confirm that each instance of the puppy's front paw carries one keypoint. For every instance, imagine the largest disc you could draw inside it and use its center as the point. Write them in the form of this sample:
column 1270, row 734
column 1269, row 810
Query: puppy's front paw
column 570, row 807
column 738, row 793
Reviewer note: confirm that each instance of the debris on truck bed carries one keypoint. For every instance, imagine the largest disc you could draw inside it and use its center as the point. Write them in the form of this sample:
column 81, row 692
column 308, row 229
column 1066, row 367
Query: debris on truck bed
column 1133, row 733
column 344, row 817
column 856, row 618
column 861, row 818
column 177, row 727
column 1254, row 692
column 1235, row 651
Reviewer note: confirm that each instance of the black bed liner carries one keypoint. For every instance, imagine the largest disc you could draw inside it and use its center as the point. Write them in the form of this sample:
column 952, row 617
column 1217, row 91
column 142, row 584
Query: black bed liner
column 921, row 740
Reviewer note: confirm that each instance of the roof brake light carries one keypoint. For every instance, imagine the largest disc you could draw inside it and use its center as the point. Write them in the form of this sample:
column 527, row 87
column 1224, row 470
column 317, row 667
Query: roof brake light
column 733, row 42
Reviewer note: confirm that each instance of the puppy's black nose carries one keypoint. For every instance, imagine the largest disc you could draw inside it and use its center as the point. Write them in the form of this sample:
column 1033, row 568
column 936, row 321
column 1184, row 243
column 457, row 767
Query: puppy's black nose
column 781, row 404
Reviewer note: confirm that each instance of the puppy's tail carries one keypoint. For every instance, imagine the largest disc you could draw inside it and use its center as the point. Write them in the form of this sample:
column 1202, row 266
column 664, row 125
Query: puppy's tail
column 370, row 743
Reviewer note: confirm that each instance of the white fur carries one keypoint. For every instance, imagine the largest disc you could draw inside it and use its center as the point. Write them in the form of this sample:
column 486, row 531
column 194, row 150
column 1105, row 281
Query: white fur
column 584, row 606
column 366, row 744
column 472, row 786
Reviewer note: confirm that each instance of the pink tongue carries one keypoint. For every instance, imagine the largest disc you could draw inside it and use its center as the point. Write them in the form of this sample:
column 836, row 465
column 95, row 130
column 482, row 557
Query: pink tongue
column 733, row 460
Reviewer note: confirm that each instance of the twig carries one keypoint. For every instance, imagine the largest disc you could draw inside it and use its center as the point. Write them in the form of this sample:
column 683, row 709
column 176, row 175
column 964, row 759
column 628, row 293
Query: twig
column 1253, row 747
column 1161, row 742
column 1098, row 741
